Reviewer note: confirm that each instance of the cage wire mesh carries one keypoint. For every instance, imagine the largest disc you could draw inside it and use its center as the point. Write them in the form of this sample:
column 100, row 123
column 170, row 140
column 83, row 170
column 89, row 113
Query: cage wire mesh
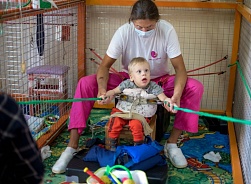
column 241, row 106
column 205, row 37
column 38, row 54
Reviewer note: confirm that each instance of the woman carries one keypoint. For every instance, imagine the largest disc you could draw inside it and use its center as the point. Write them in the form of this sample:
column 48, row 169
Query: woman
column 147, row 36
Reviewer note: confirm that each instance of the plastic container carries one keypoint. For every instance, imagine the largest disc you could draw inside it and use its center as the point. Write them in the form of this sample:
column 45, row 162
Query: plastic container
column 139, row 177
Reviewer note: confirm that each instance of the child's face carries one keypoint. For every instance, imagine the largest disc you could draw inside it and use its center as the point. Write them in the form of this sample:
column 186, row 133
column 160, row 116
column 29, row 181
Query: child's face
column 140, row 75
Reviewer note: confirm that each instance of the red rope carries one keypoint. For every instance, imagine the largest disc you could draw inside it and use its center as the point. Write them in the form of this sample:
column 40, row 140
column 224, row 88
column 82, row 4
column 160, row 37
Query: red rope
column 224, row 58
column 163, row 80
column 212, row 73
column 113, row 71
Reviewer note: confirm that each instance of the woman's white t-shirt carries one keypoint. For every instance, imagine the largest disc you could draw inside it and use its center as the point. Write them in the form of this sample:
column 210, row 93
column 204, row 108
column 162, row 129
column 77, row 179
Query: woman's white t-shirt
column 156, row 49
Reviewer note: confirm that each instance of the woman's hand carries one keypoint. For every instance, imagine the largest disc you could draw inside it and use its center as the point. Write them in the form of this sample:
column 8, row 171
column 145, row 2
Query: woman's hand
column 101, row 94
column 107, row 97
column 169, row 104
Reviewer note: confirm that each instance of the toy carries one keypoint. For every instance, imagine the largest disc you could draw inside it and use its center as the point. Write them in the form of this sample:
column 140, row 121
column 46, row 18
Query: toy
column 106, row 179
column 115, row 179
column 118, row 174
column 126, row 181
column 93, row 175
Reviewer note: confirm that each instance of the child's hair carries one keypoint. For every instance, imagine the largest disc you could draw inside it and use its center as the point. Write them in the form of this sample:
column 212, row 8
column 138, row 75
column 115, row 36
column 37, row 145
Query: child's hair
column 134, row 61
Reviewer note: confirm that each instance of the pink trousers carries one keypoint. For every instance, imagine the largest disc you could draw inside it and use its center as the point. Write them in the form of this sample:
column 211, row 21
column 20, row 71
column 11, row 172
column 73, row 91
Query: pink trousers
column 87, row 88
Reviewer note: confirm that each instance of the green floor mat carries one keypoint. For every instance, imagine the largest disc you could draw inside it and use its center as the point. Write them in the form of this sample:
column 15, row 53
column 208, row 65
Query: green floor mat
column 194, row 146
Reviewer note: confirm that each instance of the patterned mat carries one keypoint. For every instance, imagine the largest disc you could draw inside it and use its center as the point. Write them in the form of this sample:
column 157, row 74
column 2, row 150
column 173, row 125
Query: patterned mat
column 207, row 153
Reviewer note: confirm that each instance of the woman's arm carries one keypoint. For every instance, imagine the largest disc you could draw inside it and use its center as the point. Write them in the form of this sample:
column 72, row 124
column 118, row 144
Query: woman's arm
column 103, row 74
column 180, row 79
